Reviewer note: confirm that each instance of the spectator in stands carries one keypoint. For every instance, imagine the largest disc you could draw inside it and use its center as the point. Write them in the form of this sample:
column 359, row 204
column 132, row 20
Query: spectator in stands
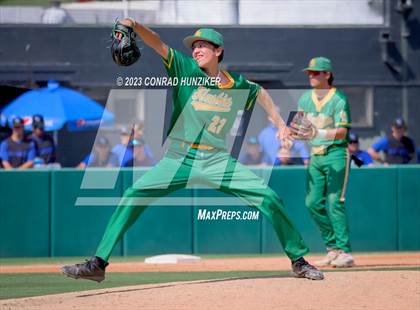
column 269, row 143
column 296, row 155
column 270, row 146
column 55, row 14
column 138, row 133
column 121, row 149
column 354, row 150
column 138, row 130
column 44, row 144
column 101, row 156
column 125, row 153
column 16, row 151
column 5, row 132
column 140, row 158
column 253, row 155
column 418, row 155
column 397, row 147
column 283, row 157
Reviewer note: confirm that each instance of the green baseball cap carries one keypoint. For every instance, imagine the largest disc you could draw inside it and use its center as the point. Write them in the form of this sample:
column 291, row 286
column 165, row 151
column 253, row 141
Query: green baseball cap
column 205, row 34
column 319, row 64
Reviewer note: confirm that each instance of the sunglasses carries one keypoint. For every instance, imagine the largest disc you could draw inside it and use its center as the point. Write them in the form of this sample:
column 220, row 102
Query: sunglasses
column 200, row 44
column 313, row 73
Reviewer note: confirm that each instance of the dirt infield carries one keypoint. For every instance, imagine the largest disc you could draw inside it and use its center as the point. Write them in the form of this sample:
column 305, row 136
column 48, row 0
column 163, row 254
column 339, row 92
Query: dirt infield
column 367, row 288
column 340, row 290
column 380, row 260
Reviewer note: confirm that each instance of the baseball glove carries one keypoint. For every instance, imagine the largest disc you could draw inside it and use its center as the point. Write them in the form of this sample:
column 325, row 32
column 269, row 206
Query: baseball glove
column 124, row 49
column 302, row 128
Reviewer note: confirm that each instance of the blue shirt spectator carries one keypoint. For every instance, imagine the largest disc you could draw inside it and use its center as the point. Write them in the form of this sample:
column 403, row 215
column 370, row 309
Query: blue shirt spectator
column 121, row 149
column 398, row 148
column 101, row 156
column 253, row 155
column 269, row 144
column 44, row 144
column 418, row 155
column 296, row 155
column 125, row 153
column 354, row 150
column 140, row 158
column 364, row 157
column 16, row 151
column 94, row 160
column 270, row 147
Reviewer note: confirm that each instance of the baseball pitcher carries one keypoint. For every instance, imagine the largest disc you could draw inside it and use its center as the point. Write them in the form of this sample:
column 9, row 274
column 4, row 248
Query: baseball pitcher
column 202, row 116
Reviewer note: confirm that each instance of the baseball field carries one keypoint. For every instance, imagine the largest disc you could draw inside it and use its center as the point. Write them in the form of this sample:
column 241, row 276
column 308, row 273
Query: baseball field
column 384, row 281
column 245, row 132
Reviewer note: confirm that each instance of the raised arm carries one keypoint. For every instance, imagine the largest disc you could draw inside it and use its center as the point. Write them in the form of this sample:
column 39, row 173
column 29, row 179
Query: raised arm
column 265, row 100
column 283, row 133
column 148, row 36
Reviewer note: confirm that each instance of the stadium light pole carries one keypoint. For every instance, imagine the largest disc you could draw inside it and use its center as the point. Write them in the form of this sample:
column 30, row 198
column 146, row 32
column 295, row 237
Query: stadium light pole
column 29, row 65
column 404, row 7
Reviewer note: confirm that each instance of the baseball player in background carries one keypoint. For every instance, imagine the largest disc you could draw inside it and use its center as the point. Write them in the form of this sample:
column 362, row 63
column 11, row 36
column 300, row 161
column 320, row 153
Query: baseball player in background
column 328, row 111
column 201, row 118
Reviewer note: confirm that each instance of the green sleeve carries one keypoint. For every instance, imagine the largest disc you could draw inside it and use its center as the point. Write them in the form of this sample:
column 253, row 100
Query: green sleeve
column 342, row 116
column 254, row 91
column 178, row 64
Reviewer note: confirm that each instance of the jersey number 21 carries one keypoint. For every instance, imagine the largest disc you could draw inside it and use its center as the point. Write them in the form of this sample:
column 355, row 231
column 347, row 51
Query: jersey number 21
column 216, row 124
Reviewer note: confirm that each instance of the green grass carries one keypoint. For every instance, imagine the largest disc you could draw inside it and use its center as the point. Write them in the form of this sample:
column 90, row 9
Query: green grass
column 34, row 284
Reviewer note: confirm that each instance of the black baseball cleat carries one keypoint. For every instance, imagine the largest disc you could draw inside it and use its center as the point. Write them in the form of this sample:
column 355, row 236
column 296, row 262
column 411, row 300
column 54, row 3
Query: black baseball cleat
column 302, row 269
column 92, row 269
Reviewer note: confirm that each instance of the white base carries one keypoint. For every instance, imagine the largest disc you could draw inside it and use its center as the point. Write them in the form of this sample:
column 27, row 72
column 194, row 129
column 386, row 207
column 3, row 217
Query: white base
column 172, row 259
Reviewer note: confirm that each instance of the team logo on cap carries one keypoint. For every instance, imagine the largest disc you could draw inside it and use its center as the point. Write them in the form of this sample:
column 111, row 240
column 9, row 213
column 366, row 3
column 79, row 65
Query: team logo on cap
column 197, row 33
column 312, row 63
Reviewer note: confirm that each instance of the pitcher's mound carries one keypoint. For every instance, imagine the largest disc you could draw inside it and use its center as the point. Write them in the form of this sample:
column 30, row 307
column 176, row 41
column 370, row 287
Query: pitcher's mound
column 385, row 290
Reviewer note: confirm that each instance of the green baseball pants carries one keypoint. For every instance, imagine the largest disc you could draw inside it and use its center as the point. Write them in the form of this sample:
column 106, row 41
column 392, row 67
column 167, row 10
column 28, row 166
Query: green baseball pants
column 182, row 166
column 326, row 184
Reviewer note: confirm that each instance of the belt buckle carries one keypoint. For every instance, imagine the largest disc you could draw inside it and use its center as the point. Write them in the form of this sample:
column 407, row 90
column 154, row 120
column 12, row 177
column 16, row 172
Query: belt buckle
column 201, row 146
column 319, row 150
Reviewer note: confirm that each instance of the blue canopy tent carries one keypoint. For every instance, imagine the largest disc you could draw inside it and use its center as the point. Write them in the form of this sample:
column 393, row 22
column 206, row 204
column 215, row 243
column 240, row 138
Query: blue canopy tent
column 59, row 106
